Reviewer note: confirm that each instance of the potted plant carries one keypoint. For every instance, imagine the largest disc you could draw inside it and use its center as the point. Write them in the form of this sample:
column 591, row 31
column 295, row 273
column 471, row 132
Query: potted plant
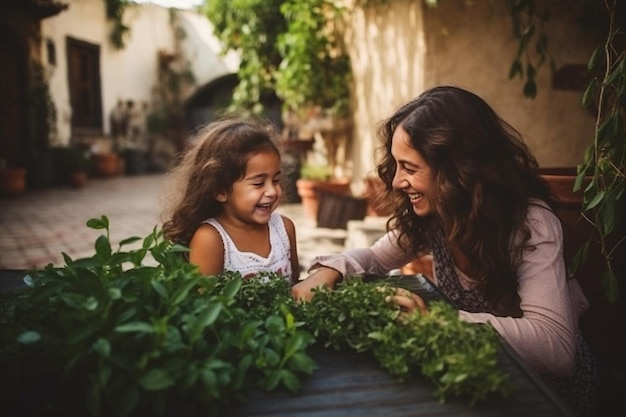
column 591, row 195
column 314, row 179
column 596, row 187
column 76, row 166
column 12, row 180
column 293, row 48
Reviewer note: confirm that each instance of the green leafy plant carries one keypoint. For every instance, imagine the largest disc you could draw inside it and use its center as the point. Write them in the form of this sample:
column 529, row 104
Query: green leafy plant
column 291, row 47
column 320, row 172
column 605, row 159
column 252, row 28
column 315, row 69
column 107, row 335
column 459, row 358
column 602, row 173
column 43, row 112
column 115, row 13
column 113, row 334
column 75, row 159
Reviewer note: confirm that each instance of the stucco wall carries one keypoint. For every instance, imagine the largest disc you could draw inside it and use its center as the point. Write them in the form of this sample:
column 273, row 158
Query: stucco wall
column 404, row 47
column 387, row 49
column 129, row 73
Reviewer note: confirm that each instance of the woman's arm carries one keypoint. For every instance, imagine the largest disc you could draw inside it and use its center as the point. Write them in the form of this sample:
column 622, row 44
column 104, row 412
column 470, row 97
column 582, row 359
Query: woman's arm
column 383, row 256
column 545, row 335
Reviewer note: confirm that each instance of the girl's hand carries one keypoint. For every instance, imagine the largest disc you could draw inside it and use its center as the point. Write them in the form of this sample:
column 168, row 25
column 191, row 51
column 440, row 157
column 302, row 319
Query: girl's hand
column 302, row 291
column 407, row 301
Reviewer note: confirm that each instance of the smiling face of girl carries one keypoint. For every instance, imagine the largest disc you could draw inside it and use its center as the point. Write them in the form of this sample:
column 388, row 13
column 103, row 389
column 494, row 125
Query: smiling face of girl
column 256, row 195
column 413, row 175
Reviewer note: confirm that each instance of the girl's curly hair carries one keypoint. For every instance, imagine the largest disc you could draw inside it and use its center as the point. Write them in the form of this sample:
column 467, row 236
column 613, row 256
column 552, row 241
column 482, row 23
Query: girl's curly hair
column 214, row 160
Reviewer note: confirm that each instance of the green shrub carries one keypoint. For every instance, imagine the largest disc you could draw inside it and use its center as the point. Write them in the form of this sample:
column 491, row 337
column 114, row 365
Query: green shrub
column 111, row 335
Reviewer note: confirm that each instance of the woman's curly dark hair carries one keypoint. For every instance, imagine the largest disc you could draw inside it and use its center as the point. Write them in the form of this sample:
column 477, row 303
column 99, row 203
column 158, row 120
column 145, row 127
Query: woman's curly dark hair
column 485, row 178
column 215, row 158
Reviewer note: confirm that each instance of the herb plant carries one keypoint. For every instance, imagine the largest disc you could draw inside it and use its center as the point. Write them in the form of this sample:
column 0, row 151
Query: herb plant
column 459, row 358
column 112, row 335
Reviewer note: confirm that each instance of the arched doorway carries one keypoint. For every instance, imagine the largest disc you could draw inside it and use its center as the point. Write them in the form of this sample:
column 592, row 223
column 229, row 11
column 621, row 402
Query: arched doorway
column 213, row 98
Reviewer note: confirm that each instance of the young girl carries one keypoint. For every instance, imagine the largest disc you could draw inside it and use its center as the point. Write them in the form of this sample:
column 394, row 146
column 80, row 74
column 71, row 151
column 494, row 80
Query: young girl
column 224, row 192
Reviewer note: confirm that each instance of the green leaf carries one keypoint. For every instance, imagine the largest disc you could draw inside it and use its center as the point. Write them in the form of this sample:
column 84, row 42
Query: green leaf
column 607, row 218
column 137, row 326
column 148, row 241
column 160, row 289
column 289, row 380
column 616, row 72
column 103, row 247
column 209, row 315
column 102, row 347
column 589, row 94
column 129, row 240
column 209, row 381
column 610, row 284
column 295, row 343
column 28, row 337
column 596, row 56
column 581, row 255
column 156, row 379
column 233, row 287
column 176, row 248
column 180, row 294
column 597, row 199
column 114, row 293
column 530, row 88
column 300, row 361
column 101, row 223
column 516, row 69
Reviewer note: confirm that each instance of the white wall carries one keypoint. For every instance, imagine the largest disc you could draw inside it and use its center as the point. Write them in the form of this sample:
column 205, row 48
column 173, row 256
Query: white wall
column 129, row 73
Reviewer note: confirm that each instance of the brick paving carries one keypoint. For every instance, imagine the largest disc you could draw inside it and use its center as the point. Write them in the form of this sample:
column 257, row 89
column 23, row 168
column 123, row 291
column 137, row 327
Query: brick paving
column 39, row 225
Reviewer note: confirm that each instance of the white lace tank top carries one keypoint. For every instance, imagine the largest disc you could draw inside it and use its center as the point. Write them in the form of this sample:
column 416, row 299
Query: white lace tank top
column 249, row 263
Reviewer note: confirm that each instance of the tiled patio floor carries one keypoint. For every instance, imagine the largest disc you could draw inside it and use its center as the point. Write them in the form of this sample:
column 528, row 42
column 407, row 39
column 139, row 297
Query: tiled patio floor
column 36, row 227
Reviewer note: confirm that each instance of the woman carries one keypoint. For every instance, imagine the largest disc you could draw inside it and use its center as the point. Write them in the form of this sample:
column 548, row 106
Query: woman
column 464, row 186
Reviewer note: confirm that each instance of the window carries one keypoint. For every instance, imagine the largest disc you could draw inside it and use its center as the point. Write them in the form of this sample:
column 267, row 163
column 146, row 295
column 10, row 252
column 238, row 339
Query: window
column 51, row 52
column 84, row 82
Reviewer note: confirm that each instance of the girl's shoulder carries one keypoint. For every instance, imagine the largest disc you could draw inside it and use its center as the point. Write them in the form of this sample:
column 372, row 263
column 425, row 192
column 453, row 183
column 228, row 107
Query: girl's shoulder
column 207, row 233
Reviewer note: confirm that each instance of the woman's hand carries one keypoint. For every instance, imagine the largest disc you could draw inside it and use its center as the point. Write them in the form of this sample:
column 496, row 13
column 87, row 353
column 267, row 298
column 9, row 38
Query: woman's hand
column 302, row 291
column 408, row 301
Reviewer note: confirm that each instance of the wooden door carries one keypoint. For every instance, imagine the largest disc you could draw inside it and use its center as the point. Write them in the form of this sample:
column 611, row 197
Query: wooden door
column 12, row 96
column 84, row 82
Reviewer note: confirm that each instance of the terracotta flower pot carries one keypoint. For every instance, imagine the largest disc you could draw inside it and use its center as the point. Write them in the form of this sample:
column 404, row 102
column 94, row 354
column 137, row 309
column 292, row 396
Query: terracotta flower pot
column 308, row 190
column 106, row 164
column 13, row 181
column 77, row 179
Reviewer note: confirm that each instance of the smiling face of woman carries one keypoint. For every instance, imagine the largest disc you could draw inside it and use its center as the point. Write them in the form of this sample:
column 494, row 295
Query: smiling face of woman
column 413, row 175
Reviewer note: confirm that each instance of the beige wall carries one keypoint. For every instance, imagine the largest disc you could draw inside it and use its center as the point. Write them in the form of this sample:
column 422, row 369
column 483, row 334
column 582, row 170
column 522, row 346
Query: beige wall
column 404, row 47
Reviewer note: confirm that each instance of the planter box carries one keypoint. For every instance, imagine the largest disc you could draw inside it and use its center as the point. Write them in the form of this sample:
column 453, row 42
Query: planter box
column 335, row 209
column 308, row 190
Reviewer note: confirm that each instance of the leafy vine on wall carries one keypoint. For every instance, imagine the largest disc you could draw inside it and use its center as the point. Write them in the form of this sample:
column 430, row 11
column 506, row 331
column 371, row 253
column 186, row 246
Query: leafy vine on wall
column 115, row 13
